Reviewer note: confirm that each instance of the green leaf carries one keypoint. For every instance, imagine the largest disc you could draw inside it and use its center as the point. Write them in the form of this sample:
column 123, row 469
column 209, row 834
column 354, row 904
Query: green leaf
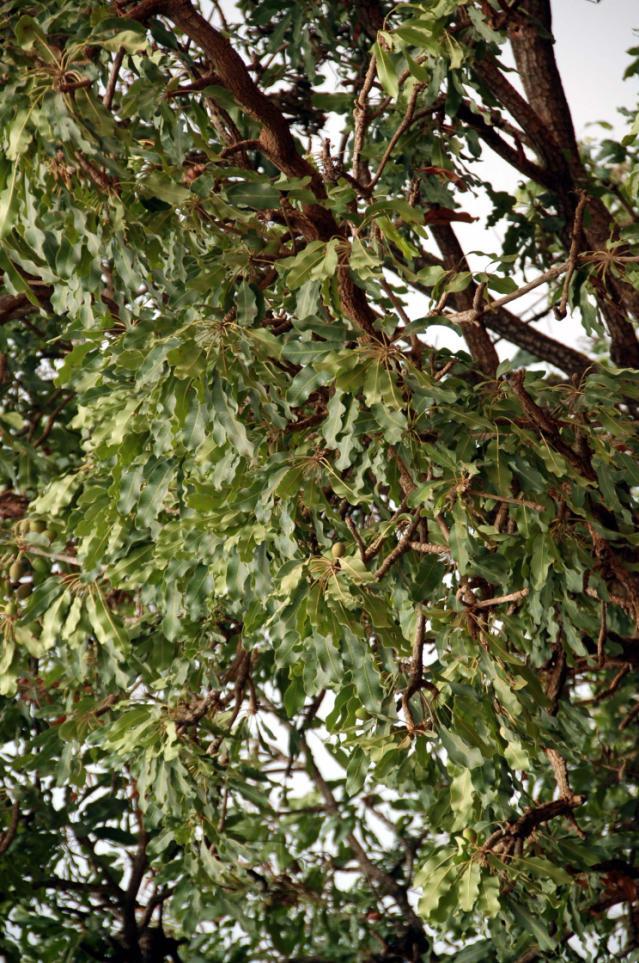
column 171, row 620
column 233, row 427
column 455, row 52
column 130, row 38
column 308, row 300
column 460, row 753
column 106, row 626
column 469, row 886
column 52, row 622
column 365, row 675
column 544, row 868
column 313, row 263
column 541, row 561
column 42, row 598
column 462, row 798
column 19, row 136
column 246, row 304
column 160, row 185
column 436, row 877
column 489, row 897
column 385, row 67
column 257, row 195
column 533, row 925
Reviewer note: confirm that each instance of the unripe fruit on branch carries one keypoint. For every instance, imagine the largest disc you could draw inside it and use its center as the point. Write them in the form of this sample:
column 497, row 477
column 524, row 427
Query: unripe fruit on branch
column 338, row 549
column 16, row 569
column 39, row 565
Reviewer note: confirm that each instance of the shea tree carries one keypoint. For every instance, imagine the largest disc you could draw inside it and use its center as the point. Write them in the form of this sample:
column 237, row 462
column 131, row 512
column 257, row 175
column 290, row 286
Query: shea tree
column 319, row 639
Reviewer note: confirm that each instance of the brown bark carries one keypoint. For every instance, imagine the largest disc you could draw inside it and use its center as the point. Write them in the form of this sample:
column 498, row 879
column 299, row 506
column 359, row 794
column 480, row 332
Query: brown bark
column 513, row 329
column 477, row 338
column 530, row 34
column 275, row 138
column 12, row 505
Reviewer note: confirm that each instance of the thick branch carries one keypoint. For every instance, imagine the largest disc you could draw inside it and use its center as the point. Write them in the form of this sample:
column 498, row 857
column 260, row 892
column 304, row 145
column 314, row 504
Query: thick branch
column 548, row 427
column 475, row 334
column 530, row 33
column 275, row 138
column 516, row 158
column 509, row 326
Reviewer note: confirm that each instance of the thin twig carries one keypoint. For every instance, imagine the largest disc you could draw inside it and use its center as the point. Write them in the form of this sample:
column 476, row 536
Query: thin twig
column 548, row 427
column 46, row 431
column 374, row 873
column 615, row 599
column 53, row 556
column 220, row 12
column 524, row 502
column 416, row 680
column 402, row 546
column 200, row 83
column 634, row 712
column 68, row 87
column 360, row 118
column 9, row 834
column 561, row 311
column 611, row 689
column 430, row 548
column 405, row 123
column 109, row 93
column 444, row 369
column 250, row 144
column 560, row 770
column 587, row 257
column 501, row 599
column 601, row 638
column 358, row 538
column 443, row 527
column 375, row 546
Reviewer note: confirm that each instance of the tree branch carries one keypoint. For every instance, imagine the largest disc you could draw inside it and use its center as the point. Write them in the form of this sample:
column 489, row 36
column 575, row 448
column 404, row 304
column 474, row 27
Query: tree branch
column 518, row 332
column 276, row 139
column 9, row 834
column 477, row 338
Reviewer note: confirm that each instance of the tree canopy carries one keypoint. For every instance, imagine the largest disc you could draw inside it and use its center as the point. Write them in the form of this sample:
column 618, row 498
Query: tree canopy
column 319, row 642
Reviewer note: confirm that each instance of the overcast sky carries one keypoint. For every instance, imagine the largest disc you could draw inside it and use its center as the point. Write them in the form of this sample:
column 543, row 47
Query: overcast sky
column 591, row 42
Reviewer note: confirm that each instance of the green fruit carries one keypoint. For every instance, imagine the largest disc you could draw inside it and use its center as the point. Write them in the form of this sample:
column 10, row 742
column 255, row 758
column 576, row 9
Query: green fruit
column 338, row 549
column 37, row 525
column 39, row 565
column 24, row 590
column 15, row 572
column 470, row 835
column 10, row 608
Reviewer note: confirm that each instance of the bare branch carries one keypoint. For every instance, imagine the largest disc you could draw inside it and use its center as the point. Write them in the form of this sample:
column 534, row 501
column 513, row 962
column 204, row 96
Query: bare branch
column 10, row 832
column 402, row 546
column 561, row 311
column 502, row 599
column 109, row 93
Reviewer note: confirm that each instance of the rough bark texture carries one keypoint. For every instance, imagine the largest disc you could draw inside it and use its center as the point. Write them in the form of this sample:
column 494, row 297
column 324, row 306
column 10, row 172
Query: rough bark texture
column 475, row 333
column 530, row 33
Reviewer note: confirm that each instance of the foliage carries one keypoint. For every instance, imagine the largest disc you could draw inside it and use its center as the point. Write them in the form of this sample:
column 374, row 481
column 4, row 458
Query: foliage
column 319, row 643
